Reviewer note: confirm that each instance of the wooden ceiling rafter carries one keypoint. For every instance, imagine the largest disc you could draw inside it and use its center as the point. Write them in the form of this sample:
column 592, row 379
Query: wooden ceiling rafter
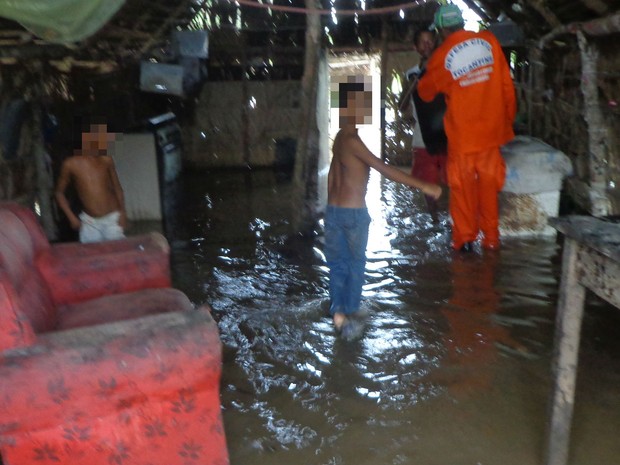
column 542, row 9
column 598, row 6
column 158, row 35
column 596, row 27
column 119, row 33
column 144, row 19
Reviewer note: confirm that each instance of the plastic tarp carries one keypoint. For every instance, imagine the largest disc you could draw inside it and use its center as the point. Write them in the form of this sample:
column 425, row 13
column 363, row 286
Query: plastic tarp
column 60, row 20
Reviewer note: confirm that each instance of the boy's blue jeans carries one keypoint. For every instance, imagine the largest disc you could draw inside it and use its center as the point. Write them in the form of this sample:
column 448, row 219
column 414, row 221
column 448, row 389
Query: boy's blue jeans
column 346, row 237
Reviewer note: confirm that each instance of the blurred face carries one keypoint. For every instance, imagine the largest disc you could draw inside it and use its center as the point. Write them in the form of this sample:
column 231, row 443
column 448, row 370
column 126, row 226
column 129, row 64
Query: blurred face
column 96, row 141
column 359, row 108
column 425, row 44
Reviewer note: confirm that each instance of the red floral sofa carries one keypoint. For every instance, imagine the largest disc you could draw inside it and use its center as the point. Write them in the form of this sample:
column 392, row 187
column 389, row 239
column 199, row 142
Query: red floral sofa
column 101, row 361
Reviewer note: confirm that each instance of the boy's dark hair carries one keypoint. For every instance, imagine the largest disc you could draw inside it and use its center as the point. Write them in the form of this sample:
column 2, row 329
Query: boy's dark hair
column 343, row 92
column 82, row 123
column 85, row 122
column 419, row 32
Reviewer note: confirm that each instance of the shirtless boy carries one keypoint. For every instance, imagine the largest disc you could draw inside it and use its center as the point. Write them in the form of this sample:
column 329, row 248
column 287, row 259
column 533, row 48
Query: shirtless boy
column 346, row 216
column 93, row 174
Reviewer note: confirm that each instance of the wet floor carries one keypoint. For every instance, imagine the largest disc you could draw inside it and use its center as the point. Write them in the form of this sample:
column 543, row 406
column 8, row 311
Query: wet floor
column 453, row 366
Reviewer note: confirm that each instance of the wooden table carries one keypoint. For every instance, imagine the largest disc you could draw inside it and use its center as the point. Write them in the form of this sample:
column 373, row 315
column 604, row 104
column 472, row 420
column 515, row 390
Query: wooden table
column 591, row 260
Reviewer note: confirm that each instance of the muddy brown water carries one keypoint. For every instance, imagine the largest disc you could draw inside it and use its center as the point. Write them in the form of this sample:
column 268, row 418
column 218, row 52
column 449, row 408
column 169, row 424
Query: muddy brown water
column 454, row 364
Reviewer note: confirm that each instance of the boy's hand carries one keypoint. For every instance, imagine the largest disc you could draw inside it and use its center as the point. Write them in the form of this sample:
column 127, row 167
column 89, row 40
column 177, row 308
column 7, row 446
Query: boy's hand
column 433, row 190
column 76, row 224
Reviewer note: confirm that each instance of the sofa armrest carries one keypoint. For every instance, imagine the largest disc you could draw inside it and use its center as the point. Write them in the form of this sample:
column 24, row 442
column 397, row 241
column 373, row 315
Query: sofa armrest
column 15, row 328
column 76, row 272
column 101, row 370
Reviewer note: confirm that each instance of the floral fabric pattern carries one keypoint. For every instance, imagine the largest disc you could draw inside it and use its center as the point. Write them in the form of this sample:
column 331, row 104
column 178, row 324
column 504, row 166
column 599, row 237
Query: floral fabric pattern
column 112, row 366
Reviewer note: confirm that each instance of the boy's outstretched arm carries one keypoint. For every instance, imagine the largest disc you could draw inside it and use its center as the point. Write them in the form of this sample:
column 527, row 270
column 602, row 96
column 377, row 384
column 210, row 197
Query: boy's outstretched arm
column 361, row 151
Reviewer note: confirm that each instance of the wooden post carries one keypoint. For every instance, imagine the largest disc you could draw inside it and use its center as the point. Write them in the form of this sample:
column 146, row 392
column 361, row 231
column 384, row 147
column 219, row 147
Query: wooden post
column 306, row 160
column 567, row 335
column 597, row 128
column 383, row 84
column 245, row 110
column 44, row 178
column 536, row 88
column 596, row 198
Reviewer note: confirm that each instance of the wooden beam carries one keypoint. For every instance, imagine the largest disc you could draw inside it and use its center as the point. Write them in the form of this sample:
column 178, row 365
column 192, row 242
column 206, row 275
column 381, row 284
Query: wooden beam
column 568, row 321
column 598, row 6
column 156, row 36
column 558, row 31
column 305, row 172
column 536, row 85
column 602, row 26
column 385, row 34
column 601, row 274
column 579, row 191
column 15, row 38
column 44, row 177
column 540, row 7
column 120, row 32
column 598, row 132
column 596, row 27
column 33, row 51
column 68, row 63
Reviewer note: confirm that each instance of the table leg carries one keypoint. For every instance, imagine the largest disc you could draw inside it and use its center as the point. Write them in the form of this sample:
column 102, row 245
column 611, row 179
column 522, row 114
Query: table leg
column 566, row 351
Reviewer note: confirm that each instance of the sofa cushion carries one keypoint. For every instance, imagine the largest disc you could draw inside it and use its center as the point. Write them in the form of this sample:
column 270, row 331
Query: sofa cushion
column 120, row 307
column 17, row 257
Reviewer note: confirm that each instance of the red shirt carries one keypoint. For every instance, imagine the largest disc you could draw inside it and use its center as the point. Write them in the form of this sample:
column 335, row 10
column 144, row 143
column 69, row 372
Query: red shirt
column 472, row 72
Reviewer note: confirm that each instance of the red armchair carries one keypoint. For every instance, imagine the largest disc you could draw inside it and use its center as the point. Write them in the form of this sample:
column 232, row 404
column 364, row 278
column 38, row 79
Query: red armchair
column 101, row 361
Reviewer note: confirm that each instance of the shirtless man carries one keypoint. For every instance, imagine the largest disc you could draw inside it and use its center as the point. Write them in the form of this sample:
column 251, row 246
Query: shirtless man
column 346, row 216
column 93, row 174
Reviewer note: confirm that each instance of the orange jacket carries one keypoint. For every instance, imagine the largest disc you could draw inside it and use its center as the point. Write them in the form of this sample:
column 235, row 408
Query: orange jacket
column 472, row 72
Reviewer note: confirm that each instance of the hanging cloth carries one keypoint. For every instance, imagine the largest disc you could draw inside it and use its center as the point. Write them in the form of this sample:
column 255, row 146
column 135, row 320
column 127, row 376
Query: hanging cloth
column 61, row 20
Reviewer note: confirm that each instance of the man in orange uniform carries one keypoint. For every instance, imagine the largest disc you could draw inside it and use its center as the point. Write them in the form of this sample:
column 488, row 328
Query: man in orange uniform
column 470, row 69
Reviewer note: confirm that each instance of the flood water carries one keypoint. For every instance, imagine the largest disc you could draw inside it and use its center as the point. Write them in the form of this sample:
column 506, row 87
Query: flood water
column 453, row 367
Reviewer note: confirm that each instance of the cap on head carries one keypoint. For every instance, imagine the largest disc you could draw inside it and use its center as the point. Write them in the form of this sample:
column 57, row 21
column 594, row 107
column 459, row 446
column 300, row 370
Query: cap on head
column 448, row 16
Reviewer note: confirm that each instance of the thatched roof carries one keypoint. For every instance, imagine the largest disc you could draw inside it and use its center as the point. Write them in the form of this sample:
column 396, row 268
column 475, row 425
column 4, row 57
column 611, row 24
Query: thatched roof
column 537, row 17
column 247, row 31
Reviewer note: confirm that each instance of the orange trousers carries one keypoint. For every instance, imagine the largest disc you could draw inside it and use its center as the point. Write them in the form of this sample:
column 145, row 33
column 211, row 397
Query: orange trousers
column 474, row 179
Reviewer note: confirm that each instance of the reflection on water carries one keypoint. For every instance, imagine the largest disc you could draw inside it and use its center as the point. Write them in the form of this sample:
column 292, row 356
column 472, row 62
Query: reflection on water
column 453, row 365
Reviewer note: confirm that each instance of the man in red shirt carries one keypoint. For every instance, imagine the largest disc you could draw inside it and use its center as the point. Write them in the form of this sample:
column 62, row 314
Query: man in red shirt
column 430, row 145
column 470, row 69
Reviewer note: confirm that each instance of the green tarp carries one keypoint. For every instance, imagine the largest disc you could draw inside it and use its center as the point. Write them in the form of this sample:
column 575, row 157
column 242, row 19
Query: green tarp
column 60, row 20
